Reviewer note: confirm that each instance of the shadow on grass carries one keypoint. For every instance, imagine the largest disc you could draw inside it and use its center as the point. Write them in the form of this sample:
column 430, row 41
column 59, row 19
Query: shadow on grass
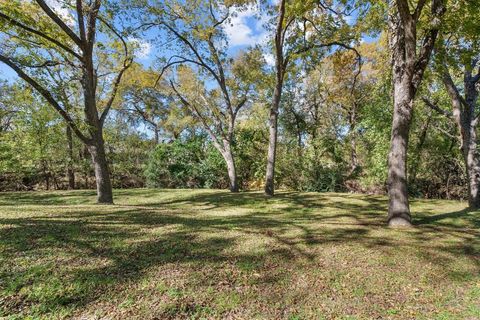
column 472, row 216
column 120, row 245
column 47, row 197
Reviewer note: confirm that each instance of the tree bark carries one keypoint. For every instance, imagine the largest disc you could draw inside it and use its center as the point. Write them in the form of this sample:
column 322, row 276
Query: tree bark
column 272, row 145
column 157, row 135
column 232, row 173
column 398, row 206
column 353, row 139
column 102, row 176
column 472, row 164
column 408, row 66
column 418, row 149
column 277, row 95
column 70, row 170
column 465, row 116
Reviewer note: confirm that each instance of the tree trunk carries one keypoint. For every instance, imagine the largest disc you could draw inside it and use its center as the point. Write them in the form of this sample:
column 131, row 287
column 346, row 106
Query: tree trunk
column 418, row 150
column 232, row 173
column 472, row 165
column 277, row 95
column 272, row 148
column 70, row 170
column 466, row 119
column 398, row 206
column 157, row 135
column 353, row 139
column 409, row 64
column 102, row 176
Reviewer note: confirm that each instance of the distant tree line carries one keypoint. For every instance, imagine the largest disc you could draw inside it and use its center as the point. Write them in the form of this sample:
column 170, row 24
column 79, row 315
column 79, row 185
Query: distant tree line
column 363, row 96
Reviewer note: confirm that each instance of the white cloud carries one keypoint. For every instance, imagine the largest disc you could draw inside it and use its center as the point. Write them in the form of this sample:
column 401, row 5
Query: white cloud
column 59, row 8
column 269, row 58
column 142, row 48
column 240, row 33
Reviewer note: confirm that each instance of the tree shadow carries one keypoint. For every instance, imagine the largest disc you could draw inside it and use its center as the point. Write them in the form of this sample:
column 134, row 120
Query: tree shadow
column 121, row 244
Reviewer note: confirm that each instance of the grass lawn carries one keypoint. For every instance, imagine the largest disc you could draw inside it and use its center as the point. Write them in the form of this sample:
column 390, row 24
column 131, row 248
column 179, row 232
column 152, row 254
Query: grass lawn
column 201, row 254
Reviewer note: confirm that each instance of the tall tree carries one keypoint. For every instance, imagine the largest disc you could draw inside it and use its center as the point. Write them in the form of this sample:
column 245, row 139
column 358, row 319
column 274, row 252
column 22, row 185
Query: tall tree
column 280, row 69
column 458, row 66
column 37, row 39
column 300, row 28
column 197, row 27
column 409, row 61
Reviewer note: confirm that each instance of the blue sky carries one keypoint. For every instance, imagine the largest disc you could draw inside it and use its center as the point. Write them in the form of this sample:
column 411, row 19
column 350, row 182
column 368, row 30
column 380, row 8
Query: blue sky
column 245, row 29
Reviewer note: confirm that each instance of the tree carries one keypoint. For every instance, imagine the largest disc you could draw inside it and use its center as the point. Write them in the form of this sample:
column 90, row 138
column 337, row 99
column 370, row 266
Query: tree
column 300, row 27
column 408, row 67
column 38, row 40
column 33, row 153
column 197, row 28
column 458, row 65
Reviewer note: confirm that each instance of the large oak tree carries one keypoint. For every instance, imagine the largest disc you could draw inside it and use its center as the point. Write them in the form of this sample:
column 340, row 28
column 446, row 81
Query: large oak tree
column 41, row 42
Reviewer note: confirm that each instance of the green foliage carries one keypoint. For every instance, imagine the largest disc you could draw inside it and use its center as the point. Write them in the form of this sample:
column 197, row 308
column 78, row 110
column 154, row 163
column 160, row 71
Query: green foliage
column 189, row 163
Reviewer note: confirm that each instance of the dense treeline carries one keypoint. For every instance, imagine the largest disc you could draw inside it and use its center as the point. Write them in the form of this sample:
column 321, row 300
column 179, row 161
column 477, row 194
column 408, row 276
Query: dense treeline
column 336, row 97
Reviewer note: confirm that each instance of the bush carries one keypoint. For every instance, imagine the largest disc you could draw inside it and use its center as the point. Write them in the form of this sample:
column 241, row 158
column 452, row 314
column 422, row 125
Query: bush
column 192, row 163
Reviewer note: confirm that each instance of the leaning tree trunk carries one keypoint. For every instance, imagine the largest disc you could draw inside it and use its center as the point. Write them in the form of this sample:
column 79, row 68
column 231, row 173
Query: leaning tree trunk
column 102, row 175
column 398, row 206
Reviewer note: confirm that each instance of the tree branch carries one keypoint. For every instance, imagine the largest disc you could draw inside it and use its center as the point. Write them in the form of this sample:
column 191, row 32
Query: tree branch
column 433, row 106
column 39, row 33
column 116, row 84
column 59, row 22
column 47, row 95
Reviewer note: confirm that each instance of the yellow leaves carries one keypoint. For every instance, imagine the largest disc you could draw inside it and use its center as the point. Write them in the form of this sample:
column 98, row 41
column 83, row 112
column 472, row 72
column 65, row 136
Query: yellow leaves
column 299, row 8
column 136, row 75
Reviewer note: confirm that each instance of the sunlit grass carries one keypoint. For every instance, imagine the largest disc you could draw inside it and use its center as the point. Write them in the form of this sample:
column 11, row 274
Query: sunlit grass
column 212, row 254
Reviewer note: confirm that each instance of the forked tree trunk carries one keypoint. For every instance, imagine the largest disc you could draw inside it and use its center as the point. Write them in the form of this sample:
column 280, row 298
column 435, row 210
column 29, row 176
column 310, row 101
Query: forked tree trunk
column 465, row 115
column 409, row 62
column 102, row 175
column 398, row 206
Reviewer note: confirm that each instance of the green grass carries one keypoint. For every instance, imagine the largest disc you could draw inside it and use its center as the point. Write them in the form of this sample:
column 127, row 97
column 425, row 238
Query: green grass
column 201, row 254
